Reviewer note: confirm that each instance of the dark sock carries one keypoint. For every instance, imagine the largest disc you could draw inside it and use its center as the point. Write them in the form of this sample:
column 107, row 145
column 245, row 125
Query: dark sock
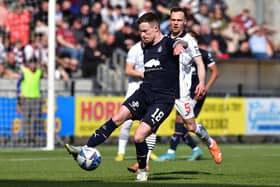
column 175, row 140
column 141, row 152
column 179, row 132
column 188, row 140
column 102, row 133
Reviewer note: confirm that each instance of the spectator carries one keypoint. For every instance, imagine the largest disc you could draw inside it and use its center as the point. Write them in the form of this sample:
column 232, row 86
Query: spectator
column 243, row 51
column 58, row 13
column 19, row 53
column 17, row 25
column 11, row 67
column 2, row 70
column 212, row 4
column 126, row 37
column 233, row 36
column 103, row 32
column 96, row 18
column 65, row 67
column 107, row 48
column 147, row 7
column 218, row 44
column 84, row 16
column 3, row 15
column 92, row 58
column 190, row 4
column 2, row 50
column 78, row 32
column 67, row 44
column 38, row 49
column 118, row 19
column 131, row 15
column 244, row 20
column 161, row 9
column 259, row 43
column 66, row 11
column 205, row 33
column 107, row 17
column 203, row 15
column 41, row 18
column 218, row 20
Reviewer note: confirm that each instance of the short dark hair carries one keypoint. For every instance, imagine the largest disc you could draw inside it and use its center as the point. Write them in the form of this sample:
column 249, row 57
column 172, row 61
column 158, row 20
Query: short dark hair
column 179, row 9
column 148, row 17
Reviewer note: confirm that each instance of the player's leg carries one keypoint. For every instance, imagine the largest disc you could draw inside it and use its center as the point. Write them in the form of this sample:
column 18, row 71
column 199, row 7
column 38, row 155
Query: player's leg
column 142, row 131
column 154, row 116
column 123, row 139
column 202, row 133
column 151, row 142
column 125, row 129
column 103, row 132
column 174, row 141
column 196, row 151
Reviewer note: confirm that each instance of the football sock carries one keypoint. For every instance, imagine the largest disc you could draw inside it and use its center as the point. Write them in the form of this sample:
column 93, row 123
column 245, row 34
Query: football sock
column 151, row 141
column 189, row 140
column 171, row 151
column 122, row 146
column 148, row 156
column 180, row 130
column 174, row 141
column 202, row 133
column 141, row 152
column 102, row 133
column 124, row 136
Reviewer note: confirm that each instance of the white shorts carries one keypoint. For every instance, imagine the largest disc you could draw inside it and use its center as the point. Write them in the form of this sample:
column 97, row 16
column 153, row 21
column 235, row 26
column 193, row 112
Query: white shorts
column 185, row 107
column 131, row 88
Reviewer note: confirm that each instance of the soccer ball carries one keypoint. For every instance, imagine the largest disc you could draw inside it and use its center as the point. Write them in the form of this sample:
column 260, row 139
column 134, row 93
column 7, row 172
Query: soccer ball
column 89, row 158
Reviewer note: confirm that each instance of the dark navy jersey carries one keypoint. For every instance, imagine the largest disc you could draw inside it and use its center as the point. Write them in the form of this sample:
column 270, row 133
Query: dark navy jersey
column 161, row 68
column 207, row 60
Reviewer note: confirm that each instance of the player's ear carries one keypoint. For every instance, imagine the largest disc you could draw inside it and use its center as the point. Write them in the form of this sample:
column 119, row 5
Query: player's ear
column 156, row 27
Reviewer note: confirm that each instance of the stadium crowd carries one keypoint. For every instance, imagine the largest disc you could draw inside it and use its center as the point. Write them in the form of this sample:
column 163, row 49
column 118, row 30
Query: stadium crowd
column 88, row 32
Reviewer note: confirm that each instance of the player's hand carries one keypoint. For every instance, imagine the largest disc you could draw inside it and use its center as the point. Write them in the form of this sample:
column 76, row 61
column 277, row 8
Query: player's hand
column 179, row 48
column 200, row 90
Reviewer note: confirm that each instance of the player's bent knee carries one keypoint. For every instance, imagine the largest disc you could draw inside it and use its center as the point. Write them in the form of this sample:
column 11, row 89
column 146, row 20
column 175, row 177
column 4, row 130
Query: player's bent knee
column 138, row 138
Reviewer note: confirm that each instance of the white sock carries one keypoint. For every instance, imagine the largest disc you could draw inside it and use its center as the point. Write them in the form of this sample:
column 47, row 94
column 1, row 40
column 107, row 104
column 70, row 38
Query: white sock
column 148, row 156
column 122, row 146
column 171, row 151
column 196, row 148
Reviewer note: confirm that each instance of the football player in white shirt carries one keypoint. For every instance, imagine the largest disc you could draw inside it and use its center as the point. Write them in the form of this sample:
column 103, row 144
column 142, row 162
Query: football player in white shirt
column 186, row 103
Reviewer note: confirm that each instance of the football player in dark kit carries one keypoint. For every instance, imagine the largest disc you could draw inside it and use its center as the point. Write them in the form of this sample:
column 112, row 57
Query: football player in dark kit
column 154, row 100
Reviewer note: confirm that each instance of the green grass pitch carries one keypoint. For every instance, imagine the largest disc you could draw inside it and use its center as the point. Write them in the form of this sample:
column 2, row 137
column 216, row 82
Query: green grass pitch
column 243, row 165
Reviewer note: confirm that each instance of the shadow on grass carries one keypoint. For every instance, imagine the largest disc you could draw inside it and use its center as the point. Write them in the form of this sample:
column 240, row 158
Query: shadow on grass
column 96, row 183
column 176, row 175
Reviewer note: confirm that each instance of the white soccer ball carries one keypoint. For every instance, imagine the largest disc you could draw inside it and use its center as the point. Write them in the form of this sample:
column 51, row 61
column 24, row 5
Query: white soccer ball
column 89, row 158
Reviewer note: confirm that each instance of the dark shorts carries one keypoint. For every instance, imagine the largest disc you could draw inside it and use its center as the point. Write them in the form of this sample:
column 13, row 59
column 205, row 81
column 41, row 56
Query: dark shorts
column 150, row 107
column 198, row 106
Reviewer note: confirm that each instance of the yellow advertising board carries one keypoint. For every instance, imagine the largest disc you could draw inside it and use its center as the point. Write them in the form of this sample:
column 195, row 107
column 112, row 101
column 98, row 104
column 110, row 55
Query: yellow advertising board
column 220, row 116
column 91, row 112
column 223, row 116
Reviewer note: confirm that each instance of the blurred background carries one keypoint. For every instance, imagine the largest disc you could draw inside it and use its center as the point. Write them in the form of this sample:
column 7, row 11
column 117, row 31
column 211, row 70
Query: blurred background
column 92, row 39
